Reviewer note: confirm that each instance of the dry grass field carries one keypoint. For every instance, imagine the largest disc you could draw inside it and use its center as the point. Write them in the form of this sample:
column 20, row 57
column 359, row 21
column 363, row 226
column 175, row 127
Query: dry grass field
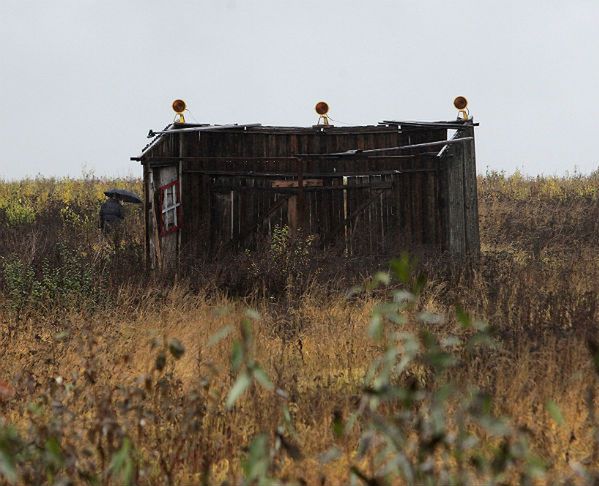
column 272, row 369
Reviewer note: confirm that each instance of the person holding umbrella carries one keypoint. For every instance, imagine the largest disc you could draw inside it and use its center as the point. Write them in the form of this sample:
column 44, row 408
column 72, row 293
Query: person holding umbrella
column 111, row 211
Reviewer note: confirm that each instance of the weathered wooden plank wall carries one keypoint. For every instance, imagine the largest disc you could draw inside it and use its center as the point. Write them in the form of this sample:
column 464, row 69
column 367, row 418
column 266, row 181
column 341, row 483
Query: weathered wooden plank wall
column 361, row 205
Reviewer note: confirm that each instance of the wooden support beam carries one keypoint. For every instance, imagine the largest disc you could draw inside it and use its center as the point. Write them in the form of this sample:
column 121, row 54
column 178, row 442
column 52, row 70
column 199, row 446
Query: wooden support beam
column 166, row 160
column 213, row 157
column 357, row 152
column 310, row 175
column 296, row 189
column 296, row 183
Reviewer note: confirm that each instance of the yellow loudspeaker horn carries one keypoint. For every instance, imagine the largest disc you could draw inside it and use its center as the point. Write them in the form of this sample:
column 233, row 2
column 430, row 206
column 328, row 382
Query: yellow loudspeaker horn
column 179, row 107
column 461, row 103
column 322, row 108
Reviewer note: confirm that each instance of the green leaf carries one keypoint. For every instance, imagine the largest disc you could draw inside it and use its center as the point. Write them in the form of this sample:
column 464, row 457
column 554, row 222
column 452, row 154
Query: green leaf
column 430, row 318
column 253, row 314
column 176, row 348
column 246, row 331
column 401, row 267
column 222, row 311
column 9, row 442
column 287, row 414
column 330, row 455
column 450, row 341
column 375, row 330
column 536, row 467
column 288, row 422
column 419, row 284
column 403, row 297
column 463, row 317
column 262, row 377
column 353, row 291
column 482, row 339
column 53, row 453
column 61, row 336
column 493, row 426
column 236, row 356
column 337, row 424
column 220, row 335
column 364, row 445
column 121, row 464
column 240, row 385
column 35, row 408
column 440, row 359
column 481, row 325
column 555, row 412
column 382, row 278
column 255, row 465
column 481, row 404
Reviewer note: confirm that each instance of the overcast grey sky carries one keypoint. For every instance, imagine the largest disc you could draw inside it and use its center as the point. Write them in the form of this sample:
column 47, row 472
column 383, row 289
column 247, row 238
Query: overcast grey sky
column 82, row 81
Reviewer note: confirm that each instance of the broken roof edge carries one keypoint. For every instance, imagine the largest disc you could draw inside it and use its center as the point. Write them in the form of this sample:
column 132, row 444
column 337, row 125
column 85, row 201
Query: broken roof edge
column 173, row 128
column 152, row 143
column 201, row 128
column 457, row 123
column 182, row 128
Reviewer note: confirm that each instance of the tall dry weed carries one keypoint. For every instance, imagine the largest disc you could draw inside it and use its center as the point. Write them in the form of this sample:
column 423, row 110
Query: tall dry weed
column 133, row 387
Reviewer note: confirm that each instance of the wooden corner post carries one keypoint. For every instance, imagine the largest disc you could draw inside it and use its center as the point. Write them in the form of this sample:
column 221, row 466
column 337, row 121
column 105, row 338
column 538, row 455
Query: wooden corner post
column 470, row 192
column 461, row 196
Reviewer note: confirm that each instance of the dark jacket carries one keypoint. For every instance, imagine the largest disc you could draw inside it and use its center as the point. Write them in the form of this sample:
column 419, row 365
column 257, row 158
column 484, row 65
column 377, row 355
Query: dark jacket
column 111, row 211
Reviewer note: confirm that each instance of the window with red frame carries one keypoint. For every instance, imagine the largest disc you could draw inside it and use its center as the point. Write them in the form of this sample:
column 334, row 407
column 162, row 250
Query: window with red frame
column 170, row 208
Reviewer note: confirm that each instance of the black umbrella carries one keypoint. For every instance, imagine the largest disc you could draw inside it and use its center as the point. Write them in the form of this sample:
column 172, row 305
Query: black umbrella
column 126, row 196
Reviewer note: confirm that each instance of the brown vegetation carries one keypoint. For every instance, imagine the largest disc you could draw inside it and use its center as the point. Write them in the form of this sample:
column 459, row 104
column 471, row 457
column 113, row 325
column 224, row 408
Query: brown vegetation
column 110, row 375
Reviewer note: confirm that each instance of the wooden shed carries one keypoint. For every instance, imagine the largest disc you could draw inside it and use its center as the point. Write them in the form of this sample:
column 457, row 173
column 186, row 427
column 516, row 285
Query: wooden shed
column 363, row 190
